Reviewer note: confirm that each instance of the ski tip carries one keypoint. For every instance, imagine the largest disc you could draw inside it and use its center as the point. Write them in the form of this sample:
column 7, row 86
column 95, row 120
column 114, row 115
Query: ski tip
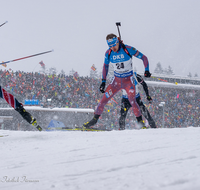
column 52, row 50
column 6, row 22
column 39, row 128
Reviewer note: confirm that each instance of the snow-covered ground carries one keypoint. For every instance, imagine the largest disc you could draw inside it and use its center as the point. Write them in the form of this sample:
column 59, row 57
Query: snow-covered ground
column 149, row 159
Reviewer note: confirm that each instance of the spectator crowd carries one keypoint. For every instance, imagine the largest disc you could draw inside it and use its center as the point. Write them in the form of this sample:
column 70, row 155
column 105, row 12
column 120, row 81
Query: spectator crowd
column 181, row 105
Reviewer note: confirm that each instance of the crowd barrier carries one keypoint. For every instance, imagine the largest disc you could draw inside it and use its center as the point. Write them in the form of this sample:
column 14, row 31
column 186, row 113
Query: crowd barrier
column 70, row 117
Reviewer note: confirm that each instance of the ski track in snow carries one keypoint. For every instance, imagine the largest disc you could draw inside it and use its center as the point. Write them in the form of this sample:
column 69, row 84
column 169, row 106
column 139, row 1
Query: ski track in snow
column 152, row 159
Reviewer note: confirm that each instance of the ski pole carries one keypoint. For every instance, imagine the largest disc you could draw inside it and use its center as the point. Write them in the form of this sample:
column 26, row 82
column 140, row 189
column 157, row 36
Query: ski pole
column 26, row 57
column 3, row 23
column 118, row 24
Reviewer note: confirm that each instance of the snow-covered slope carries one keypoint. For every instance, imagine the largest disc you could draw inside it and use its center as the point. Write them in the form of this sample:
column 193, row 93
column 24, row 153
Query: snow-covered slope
column 157, row 159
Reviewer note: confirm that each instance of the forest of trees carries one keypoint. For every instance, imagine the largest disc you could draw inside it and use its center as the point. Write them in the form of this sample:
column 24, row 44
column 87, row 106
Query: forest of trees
column 169, row 71
column 159, row 70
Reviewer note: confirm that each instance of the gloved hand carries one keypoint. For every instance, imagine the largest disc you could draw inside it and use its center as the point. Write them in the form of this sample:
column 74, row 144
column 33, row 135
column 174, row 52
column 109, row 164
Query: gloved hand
column 102, row 87
column 149, row 99
column 147, row 74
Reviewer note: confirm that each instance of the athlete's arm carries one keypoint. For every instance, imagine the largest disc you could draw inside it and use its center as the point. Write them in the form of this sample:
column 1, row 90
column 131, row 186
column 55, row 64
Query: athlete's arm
column 105, row 67
column 139, row 55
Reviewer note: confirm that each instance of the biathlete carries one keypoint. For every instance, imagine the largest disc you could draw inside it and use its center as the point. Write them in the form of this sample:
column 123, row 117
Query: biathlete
column 125, row 104
column 120, row 56
column 12, row 101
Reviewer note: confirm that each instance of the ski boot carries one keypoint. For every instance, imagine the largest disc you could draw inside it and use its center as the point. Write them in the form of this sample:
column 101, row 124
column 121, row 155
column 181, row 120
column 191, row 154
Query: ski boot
column 94, row 120
column 152, row 124
column 28, row 117
column 35, row 124
column 140, row 123
column 125, row 105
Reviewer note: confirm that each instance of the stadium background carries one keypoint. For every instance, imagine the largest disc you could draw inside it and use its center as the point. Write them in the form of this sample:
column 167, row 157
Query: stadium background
column 182, row 101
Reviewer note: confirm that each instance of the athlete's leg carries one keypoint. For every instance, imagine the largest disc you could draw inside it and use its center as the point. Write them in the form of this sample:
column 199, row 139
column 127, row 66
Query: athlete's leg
column 109, row 93
column 111, row 90
column 9, row 98
column 130, row 89
column 12, row 101
column 125, row 105
column 131, row 96
column 145, row 112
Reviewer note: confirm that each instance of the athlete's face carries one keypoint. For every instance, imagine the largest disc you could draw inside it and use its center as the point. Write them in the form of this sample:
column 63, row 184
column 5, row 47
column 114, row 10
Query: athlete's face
column 115, row 48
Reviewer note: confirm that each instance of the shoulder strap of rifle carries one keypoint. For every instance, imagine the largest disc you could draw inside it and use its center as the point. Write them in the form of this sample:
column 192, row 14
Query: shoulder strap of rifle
column 109, row 54
column 124, row 48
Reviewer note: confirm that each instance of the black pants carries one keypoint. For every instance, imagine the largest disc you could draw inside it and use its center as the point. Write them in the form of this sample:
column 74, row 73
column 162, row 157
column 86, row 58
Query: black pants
column 125, row 106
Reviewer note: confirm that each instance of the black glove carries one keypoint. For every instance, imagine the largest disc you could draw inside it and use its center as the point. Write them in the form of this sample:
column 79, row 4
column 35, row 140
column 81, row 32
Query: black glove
column 147, row 74
column 102, row 87
column 149, row 99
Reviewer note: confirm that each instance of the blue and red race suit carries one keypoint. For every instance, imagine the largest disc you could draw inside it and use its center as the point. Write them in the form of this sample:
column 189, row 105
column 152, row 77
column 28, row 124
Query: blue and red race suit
column 123, row 73
column 9, row 98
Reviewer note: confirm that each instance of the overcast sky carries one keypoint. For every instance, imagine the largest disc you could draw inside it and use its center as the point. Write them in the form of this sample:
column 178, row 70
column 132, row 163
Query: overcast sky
column 166, row 31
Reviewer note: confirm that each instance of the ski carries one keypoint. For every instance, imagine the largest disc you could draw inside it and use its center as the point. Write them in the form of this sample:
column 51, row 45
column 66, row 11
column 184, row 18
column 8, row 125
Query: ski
column 35, row 124
column 3, row 135
column 76, row 129
column 90, row 129
column 39, row 128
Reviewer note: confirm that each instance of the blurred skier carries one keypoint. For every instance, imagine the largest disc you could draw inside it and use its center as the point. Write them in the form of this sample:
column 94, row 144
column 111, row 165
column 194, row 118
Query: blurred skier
column 12, row 101
column 120, row 56
column 125, row 104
